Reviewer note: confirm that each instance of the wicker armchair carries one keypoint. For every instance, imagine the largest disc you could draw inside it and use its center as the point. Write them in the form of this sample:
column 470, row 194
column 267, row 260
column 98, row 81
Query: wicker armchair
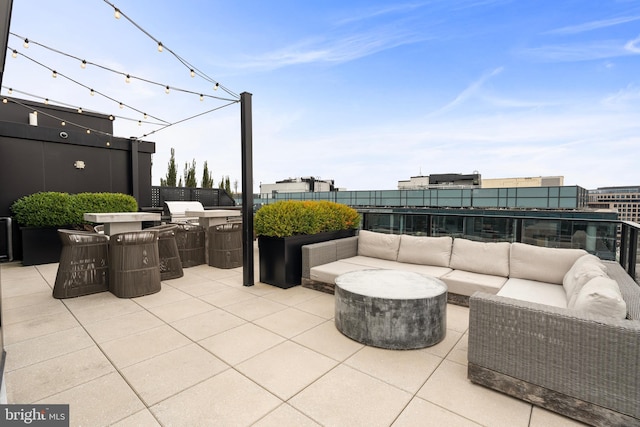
column 84, row 264
column 134, row 268
column 170, row 263
column 191, row 241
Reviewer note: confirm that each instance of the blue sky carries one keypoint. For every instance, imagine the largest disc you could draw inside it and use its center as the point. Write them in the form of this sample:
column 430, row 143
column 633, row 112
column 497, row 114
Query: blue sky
column 363, row 92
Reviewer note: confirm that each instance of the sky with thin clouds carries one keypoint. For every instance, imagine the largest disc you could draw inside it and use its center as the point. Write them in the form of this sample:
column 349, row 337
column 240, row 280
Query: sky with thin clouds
column 363, row 92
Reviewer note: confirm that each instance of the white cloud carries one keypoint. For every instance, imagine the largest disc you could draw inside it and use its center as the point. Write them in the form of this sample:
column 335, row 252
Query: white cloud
column 593, row 25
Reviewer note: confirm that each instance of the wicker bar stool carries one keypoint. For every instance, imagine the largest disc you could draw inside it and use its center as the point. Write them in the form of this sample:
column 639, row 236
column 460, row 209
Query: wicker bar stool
column 170, row 263
column 134, row 263
column 84, row 264
column 191, row 240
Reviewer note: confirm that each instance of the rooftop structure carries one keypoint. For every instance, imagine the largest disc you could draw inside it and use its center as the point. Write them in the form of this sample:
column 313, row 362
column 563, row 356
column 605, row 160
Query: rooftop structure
column 624, row 200
column 445, row 180
column 297, row 185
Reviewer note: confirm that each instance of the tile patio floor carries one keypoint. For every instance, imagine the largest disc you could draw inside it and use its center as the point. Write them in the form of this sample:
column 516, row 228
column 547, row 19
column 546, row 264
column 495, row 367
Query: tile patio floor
column 207, row 351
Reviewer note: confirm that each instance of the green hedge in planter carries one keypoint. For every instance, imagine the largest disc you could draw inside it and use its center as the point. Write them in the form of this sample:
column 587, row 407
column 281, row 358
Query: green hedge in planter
column 292, row 218
column 54, row 209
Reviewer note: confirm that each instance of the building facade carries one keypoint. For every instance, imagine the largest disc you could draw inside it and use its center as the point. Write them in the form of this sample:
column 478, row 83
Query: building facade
column 296, row 185
column 624, row 200
column 535, row 181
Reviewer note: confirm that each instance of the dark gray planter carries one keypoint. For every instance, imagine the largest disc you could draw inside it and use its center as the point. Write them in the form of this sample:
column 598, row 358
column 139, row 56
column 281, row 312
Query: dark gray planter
column 40, row 245
column 281, row 257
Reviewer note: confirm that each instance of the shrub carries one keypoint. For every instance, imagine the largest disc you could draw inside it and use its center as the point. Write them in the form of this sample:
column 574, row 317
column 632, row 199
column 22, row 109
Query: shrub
column 291, row 218
column 53, row 209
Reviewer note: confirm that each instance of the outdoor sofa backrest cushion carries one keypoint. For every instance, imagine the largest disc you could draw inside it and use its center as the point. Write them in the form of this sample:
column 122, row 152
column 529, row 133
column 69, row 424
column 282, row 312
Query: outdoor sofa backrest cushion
column 584, row 269
column 480, row 257
column 601, row 296
column 378, row 245
column 547, row 265
column 425, row 250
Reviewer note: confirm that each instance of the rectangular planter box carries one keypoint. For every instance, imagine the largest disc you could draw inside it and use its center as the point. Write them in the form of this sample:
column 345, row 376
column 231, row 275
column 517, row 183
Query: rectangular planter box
column 40, row 245
column 281, row 257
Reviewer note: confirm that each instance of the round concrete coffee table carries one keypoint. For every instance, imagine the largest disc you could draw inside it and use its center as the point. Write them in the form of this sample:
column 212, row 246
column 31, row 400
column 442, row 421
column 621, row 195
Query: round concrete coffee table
column 391, row 308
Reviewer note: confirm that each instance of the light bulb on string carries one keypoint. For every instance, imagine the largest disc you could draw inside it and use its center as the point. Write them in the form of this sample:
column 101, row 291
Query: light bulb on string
column 166, row 89
column 92, row 92
column 5, row 100
column 10, row 91
column 127, row 79
column 54, row 74
column 46, row 101
column 139, row 122
column 192, row 73
column 116, row 14
column 145, row 116
column 216, row 86
column 201, row 97
column 80, row 110
column 111, row 117
column 121, row 105
column 63, row 124
column 26, row 43
column 88, row 130
column 160, row 47
column 83, row 64
column 14, row 54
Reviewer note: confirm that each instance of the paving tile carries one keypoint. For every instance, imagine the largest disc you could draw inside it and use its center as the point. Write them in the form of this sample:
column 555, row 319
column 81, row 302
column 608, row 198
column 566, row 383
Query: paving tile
column 37, row 327
column 241, row 343
column 228, row 399
column 41, row 380
column 99, row 402
column 449, row 388
column 227, row 297
column 122, row 326
column 291, row 367
column 327, row 340
column 445, row 346
column 255, row 308
column 37, row 298
column 86, row 302
column 422, row 413
column 543, row 418
column 20, row 314
column 289, row 322
column 322, row 305
column 167, row 295
column 25, row 286
column 260, row 289
column 142, row 418
column 29, row 352
column 198, row 286
column 206, row 324
column 408, row 370
column 292, row 296
column 347, row 397
column 285, row 415
column 457, row 318
column 459, row 353
column 181, row 309
column 144, row 345
column 108, row 309
column 163, row 376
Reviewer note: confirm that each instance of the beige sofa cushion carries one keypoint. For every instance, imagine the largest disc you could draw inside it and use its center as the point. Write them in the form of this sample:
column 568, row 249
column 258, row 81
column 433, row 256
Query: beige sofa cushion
column 378, row 245
column 368, row 262
column 480, row 257
column 534, row 291
column 466, row 283
column 584, row 269
column 547, row 265
column 425, row 250
column 601, row 295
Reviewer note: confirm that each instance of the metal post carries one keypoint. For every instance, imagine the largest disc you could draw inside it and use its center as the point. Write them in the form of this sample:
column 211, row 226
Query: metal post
column 135, row 171
column 247, row 188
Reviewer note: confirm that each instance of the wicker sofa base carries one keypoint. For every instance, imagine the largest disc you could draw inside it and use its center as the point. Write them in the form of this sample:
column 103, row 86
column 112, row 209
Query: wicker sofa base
column 329, row 288
column 557, row 402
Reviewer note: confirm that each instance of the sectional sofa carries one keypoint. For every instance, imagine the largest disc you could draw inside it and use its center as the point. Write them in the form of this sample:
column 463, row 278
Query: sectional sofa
column 558, row 328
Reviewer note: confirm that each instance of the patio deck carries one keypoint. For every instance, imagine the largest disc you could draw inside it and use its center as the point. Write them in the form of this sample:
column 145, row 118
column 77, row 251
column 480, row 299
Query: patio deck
column 208, row 351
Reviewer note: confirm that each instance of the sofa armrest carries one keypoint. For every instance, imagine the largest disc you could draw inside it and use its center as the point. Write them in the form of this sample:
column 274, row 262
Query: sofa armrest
column 325, row 252
column 586, row 357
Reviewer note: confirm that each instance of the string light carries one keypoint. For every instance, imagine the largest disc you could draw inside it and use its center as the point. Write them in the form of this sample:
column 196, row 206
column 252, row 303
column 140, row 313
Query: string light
column 80, row 110
column 63, row 123
column 46, row 101
column 117, row 13
column 54, row 74
column 201, row 97
column 217, row 85
column 10, row 91
column 14, row 54
column 92, row 92
column 166, row 89
column 145, row 116
column 4, row 100
column 160, row 47
column 139, row 122
column 111, row 117
column 88, row 130
column 26, row 43
column 83, row 64
column 192, row 73
column 121, row 105
column 127, row 79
